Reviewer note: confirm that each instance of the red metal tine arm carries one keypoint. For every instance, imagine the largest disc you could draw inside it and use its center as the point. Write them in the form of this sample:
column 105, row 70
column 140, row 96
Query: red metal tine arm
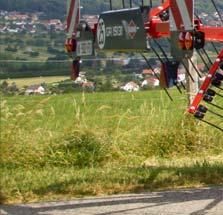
column 214, row 34
column 157, row 10
column 157, row 28
column 199, row 97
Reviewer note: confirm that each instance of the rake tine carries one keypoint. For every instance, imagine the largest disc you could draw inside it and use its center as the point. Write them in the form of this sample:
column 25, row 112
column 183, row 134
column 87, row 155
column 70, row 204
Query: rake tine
column 182, row 84
column 162, row 50
column 156, row 53
column 214, row 105
column 212, row 43
column 216, row 8
column 218, row 94
column 202, row 58
column 216, row 114
column 150, row 66
column 211, row 124
column 218, row 87
column 206, row 54
column 110, row 4
column 165, row 55
column 178, row 88
column 187, row 71
column 198, row 73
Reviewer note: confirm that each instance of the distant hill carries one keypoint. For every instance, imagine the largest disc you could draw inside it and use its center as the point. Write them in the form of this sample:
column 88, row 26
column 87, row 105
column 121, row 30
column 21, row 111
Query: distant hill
column 57, row 8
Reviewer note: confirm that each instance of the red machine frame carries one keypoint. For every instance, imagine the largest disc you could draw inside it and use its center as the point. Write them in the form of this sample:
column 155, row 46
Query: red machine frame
column 157, row 28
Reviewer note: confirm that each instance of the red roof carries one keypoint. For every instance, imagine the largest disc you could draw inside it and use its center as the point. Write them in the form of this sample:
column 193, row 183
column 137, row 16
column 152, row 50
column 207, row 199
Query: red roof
column 147, row 72
column 88, row 84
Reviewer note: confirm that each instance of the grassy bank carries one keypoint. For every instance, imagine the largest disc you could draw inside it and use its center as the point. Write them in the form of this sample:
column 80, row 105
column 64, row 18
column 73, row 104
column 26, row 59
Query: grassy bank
column 73, row 145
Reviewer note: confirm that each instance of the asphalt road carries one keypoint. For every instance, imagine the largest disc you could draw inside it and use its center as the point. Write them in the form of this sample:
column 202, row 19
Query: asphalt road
column 208, row 201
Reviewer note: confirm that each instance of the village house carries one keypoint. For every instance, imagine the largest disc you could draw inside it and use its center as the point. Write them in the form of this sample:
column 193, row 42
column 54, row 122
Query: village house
column 11, row 30
column 201, row 67
column 3, row 13
column 19, row 23
column 130, row 87
column 12, row 16
column 34, row 17
column 214, row 23
column 181, row 77
column 203, row 15
column 89, row 86
column 120, row 62
column 16, row 22
column 150, row 82
column 3, row 28
column 35, row 89
column 137, row 76
column 91, row 19
column 56, row 23
column 81, row 79
column 147, row 72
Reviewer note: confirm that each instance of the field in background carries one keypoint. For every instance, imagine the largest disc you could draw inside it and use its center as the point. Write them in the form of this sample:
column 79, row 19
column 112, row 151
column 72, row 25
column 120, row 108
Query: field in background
column 65, row 146
column 20, row 82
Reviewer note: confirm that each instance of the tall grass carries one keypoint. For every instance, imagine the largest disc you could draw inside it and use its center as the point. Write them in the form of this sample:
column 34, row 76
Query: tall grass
column 90, row 132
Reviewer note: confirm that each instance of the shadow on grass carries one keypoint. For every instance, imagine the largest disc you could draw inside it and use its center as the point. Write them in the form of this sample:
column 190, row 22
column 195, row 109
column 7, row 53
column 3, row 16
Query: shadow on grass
column 140, row 179
column 200, row 174
column 2, row 198
column 144, row 179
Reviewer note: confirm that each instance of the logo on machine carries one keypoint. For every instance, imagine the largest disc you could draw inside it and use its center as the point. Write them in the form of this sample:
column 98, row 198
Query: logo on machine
column 101, row 34
column 130, row 29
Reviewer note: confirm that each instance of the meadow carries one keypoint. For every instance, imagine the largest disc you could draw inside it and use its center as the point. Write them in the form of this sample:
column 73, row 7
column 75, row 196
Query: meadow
column 74, row 145
column 21, row 82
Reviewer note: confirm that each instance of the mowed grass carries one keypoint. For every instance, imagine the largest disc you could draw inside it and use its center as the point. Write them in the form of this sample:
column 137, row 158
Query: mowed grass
column 74, row 145
column 21, row 82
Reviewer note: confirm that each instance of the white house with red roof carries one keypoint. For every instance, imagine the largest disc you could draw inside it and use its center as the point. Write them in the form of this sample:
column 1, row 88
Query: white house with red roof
column 131, row 87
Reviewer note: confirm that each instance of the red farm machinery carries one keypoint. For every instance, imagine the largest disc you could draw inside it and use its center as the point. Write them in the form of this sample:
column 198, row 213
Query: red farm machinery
column 138, row 28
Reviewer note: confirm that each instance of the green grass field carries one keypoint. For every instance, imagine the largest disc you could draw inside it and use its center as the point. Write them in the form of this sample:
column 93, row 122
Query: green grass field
column 21, row 82
column 73, row 145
